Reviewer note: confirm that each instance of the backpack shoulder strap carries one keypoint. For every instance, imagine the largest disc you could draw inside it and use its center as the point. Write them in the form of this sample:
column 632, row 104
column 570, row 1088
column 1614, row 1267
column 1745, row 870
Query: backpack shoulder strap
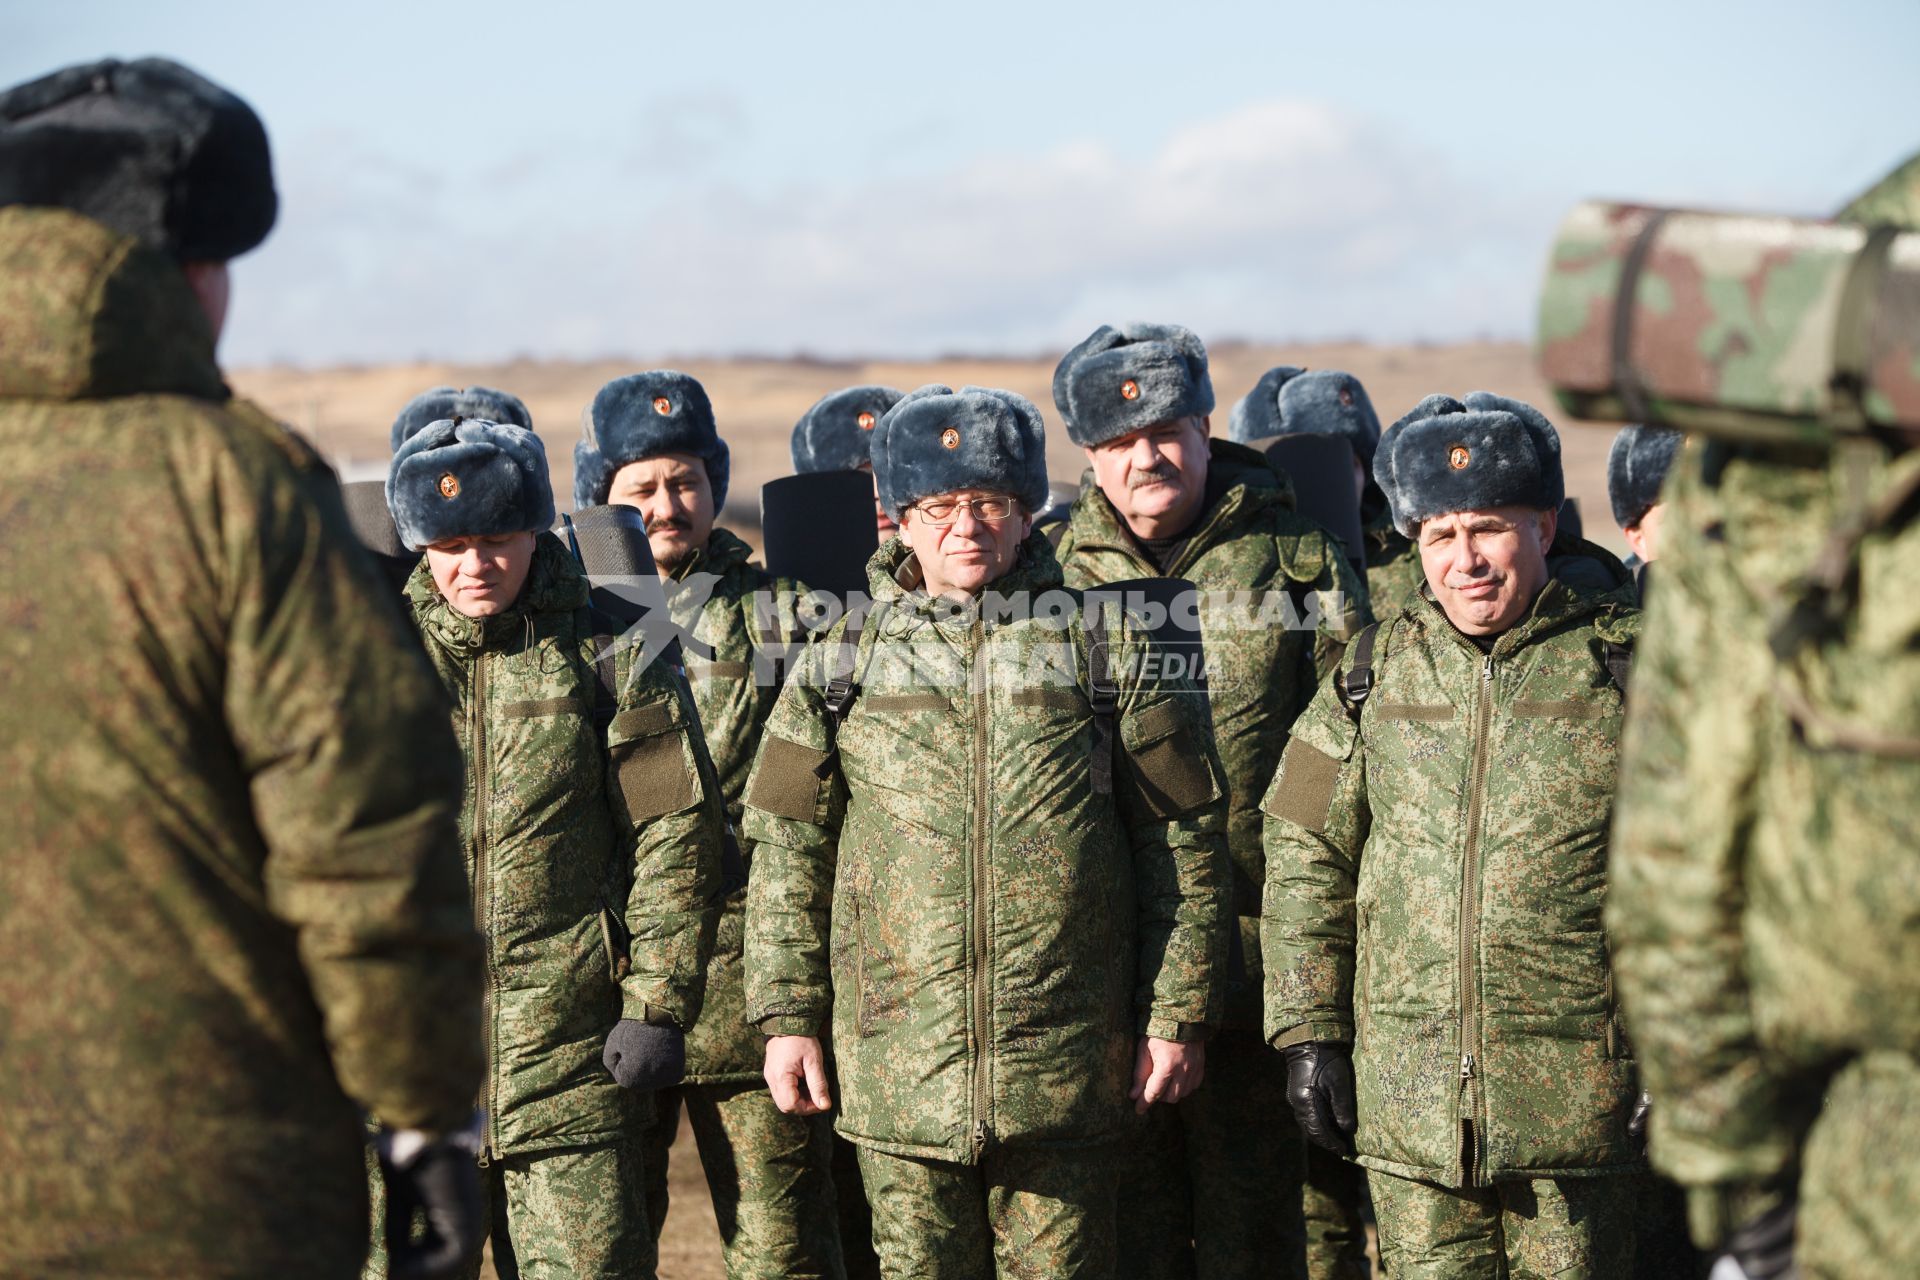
column 1103, row 696
column 1619, row 660
column 1355, row 683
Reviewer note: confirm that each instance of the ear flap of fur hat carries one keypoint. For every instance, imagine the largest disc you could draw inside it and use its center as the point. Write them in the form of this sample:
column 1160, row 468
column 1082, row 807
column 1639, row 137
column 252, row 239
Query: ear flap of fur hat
column 147, row 148
column 835, row 433
column 440, row 404
column 1120, row 380
column 1257, row 414
column 644, row 415
column 469, row 479
column 938, row 440
column 1637, row 466
column 1489, row 451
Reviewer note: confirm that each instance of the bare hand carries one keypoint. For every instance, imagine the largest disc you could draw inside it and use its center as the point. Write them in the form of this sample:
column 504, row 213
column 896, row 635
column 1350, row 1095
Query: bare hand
column 1165, row 1071
column 796, row 1074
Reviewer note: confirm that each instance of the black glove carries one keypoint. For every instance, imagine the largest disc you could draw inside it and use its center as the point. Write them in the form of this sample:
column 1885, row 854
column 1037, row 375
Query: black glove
column 1637, row 1121
column 1763, row 1246
column 439, row 1183
column 1320, row 1091
column 644, row 1056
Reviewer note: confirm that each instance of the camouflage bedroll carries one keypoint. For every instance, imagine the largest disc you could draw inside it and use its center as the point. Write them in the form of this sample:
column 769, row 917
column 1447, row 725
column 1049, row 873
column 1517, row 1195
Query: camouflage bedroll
column 1767, row 329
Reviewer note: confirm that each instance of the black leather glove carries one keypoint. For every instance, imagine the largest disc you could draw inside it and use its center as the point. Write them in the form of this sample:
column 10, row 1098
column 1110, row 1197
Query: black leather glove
column 644, row 1056
column 437, row 1183
column 1320, row 1091
column 1637, row 1121
column 1762, row 1246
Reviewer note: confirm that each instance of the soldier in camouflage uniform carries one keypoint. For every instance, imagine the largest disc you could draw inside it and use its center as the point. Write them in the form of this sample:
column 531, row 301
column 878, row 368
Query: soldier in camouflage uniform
column 768, row 1172
column 1436, row 865
column 1765, row 912
column 1213, row 1187
column 833, row 434
column 989, row 848
column 594, row 860
column 230, row 884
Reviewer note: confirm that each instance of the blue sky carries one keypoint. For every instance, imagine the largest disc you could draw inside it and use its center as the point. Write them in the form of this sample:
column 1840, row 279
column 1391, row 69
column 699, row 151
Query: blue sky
column 484, row 180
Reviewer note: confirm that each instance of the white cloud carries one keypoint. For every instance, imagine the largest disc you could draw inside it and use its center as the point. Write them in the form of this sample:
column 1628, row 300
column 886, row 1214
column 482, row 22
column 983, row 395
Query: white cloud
column 1282, row 219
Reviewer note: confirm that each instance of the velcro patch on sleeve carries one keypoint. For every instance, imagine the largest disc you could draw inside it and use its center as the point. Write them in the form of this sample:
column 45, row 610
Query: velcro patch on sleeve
column 787, row 781
column 1304, row 791
column 1169, row 762
column 654, row 775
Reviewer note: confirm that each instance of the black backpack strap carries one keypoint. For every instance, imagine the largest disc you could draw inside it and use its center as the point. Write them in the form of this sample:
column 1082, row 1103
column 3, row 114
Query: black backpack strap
column 1356, row 682
column 1619, row 660
column 1103, row 697
column 843, row 686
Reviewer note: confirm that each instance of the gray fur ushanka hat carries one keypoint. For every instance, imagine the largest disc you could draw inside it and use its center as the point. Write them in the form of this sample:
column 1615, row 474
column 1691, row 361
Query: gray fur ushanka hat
column 938, row 440
column 439, row 404
column 1327, row 402
column 1447, row 455
column 835, row 433
column 469, row 479
column 148, row 149
column 644, row 415
column 1120, row 380
column 1637, row 466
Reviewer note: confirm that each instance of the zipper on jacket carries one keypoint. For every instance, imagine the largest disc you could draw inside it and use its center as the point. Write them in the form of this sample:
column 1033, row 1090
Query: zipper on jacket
column 483, row 902
column 1471, row 1087
column 982, row 904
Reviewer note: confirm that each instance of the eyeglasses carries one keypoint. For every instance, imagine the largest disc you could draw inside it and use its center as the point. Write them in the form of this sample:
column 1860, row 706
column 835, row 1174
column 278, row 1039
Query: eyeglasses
column 941, row 512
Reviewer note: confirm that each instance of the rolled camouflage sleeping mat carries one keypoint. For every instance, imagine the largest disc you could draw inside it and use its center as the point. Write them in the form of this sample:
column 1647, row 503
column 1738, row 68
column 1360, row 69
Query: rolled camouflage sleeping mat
column 1321, row 469
column 818, row 528
column 372, row 520
column 1768, row 329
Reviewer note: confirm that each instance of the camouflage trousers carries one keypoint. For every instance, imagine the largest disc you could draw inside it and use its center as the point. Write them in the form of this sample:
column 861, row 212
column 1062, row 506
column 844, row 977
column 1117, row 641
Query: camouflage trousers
column 1212, row 1186
column 1523, row 1229
column 1860, row 1175
column 856, row 1215
column 1020, row 1214
column 1336, row 1209
column 768, row 1173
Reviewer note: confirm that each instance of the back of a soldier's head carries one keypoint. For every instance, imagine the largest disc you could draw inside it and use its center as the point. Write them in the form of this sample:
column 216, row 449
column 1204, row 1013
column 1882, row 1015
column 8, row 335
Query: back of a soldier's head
column 148, row 149
column 1477, row 485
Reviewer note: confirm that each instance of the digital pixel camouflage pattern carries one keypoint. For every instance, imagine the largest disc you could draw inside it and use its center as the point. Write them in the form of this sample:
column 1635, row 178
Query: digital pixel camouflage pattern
column 1735, row 324
column 767, row 1172
column 1765, row 914
column 1206, row 1208
column 1019, row 1213
column 940, row 879
column 1435, row 876
column 568, row 1213
column 595, row 869
column 1522, row 1229
column 1393, row 565
column 230, row 887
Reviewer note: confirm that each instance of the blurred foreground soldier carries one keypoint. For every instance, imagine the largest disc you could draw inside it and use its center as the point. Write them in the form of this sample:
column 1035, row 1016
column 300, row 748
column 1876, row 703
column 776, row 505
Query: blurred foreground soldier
column 988, row 846
column 1436, row 864
column 1328, row 402
column 593, row 853
column 653, row 446
column 1637, row 466
column 230, row 890
column 1213, row 1187
column 1765, row 909
column 443, row 404
column 834, row 434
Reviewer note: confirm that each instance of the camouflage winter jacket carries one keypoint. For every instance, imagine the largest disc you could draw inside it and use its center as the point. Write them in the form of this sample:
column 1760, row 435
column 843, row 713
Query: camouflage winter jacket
column 1435, row 875
column 595, row 869
column 717, row 597
column 1248, row 551
column 1393, row 566
column 1765, row 911
column 989, row 902
column 231, row 907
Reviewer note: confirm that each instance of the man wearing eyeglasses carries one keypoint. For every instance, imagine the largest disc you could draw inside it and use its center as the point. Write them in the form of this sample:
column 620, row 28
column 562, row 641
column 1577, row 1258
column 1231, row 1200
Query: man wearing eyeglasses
column 1214, row 1186
column 989, row 855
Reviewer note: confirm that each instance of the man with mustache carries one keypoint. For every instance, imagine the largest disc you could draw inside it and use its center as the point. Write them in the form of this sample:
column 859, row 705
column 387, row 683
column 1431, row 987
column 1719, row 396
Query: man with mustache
column 1436, row 849
column 652, row 444
column 1213, row 1186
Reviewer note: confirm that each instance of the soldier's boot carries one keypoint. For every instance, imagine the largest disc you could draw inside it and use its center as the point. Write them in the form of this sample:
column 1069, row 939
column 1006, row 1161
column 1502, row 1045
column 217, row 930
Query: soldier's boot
column 771, row 1181
column 1019, row 1213
column 1524, row 1229
column 1860, row 1179
column 578, row 1213
column 1335, row 1208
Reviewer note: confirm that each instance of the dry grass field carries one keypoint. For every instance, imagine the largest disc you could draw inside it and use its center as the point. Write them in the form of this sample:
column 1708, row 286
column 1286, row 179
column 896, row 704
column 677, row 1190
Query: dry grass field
column 345, row 412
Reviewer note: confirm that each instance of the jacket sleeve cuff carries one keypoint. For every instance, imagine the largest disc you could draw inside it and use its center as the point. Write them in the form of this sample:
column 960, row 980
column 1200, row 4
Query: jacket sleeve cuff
column 1334, row 1032
column 1158, row 1028
column 790, row 1024
column 636, row 1009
